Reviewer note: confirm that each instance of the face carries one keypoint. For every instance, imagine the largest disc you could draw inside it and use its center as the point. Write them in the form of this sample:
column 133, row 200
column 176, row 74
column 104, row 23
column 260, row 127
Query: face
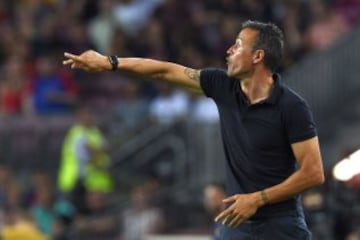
column 45, row 66
column 86, row 117
column 96, row 201
column 240, row 58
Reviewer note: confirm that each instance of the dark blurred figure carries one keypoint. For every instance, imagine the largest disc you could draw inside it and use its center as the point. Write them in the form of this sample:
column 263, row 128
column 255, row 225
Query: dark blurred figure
column 12, row 87
column 84, row 161
column 5, row 179
column 350, row 10
column 18, row 225
column 353, row 236
column 142, row 217
column 169, row 106
column 318, row 218
column 52, row 91
column 214, row 194
column 328, row 26
column 131, row 111
column 99, row 222
column 50, row 214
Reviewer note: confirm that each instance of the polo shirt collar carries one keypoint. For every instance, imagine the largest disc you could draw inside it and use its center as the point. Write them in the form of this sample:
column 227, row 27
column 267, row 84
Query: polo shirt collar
column 275, row 94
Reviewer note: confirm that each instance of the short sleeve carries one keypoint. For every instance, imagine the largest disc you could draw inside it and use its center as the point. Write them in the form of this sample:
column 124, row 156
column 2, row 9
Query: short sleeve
column 214, row 82
column 299, row 122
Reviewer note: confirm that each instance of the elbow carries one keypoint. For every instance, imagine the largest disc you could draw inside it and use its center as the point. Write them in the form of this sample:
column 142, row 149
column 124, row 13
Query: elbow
column 313, row 177
column 318, row 178
column 321, row 180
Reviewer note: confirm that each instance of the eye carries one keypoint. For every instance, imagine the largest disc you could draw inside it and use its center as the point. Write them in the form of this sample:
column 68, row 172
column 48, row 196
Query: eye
column 237, row 44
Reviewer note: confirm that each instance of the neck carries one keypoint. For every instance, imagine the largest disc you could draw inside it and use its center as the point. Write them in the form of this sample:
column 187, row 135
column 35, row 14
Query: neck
column 258, row 86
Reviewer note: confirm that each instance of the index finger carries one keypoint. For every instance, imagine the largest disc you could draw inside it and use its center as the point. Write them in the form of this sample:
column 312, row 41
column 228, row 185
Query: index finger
column 72, row 56
column 68, row 61
column 223, row 214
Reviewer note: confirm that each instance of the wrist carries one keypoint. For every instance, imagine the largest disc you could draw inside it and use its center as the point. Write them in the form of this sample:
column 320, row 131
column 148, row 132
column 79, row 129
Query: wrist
column 263, row 197
column 104, row 65
column 114, row 62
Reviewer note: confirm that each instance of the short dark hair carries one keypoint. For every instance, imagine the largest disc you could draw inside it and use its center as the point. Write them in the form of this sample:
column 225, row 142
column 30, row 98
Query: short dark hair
column 270, row 39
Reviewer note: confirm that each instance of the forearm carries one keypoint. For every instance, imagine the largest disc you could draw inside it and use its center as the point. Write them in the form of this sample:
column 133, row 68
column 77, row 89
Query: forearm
column 309, row 174
column 145, row 67
column 141, row 67
column 160, row 70
column 298, row 182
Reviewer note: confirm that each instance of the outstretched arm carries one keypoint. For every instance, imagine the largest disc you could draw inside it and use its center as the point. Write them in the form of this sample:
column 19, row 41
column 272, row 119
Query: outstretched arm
column 166, row 71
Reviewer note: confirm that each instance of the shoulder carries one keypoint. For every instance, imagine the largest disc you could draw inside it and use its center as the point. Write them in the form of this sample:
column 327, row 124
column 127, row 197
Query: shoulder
column 291, row 98
column 213, row 72
column 215, row 81
column 294, row 108
column 74, row 130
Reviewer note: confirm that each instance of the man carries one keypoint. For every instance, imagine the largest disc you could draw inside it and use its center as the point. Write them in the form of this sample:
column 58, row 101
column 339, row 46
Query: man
column 266, row 129
column 84, row 161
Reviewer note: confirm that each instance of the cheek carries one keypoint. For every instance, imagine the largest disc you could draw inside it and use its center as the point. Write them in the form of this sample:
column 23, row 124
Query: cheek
column 238, row 60
column 243, row 59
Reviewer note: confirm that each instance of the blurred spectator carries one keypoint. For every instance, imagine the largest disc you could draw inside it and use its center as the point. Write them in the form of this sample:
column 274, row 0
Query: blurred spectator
column 132, row 15
column 174, row 16
column 354, row 182
column 39, row 180
column 12, row 87
column 327, row 27
column 49, row 213
column 19, row 226
column 214, row 193
column 5, row 179
column 50, row 90
column 120, row 45
column 350, row 10
column 42, row 211
column 170, row 105
column 99, row 221
column 153, row 42
column 190, row 31
column 204, row 109
column 295, row 19
column 78, row 39
column 141, row 218
column 318, row 220
column 85, row 162
column 101, row 29
column 13, row 196
column 258, row 9
column 353, row 236
column 131, row 111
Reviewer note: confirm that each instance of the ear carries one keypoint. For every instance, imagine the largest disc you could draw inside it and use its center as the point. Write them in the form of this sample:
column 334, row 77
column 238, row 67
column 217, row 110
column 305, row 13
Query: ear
column 258, row 55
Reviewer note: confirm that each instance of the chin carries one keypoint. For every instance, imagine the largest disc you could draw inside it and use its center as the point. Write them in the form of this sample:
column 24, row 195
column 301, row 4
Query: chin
column 230, row 73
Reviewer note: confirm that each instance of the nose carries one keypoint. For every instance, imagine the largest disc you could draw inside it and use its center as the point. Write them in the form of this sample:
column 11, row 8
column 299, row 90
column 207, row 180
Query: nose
column 230, row 49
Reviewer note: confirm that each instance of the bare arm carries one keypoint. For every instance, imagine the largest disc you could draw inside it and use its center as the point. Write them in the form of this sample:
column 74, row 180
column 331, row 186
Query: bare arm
column 309, row 174
column 166, row 71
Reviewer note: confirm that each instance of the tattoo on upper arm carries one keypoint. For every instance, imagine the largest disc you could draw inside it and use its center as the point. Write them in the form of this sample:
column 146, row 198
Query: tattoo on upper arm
column 193, row 74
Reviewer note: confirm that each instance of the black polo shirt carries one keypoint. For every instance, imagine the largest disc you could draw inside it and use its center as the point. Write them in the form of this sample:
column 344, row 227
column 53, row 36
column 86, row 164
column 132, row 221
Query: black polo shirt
column 257, row 138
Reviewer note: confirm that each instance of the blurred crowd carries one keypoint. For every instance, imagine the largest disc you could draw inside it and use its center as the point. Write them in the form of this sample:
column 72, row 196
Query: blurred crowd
column 36, row 211
column 196, row 33
column 35, row 33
